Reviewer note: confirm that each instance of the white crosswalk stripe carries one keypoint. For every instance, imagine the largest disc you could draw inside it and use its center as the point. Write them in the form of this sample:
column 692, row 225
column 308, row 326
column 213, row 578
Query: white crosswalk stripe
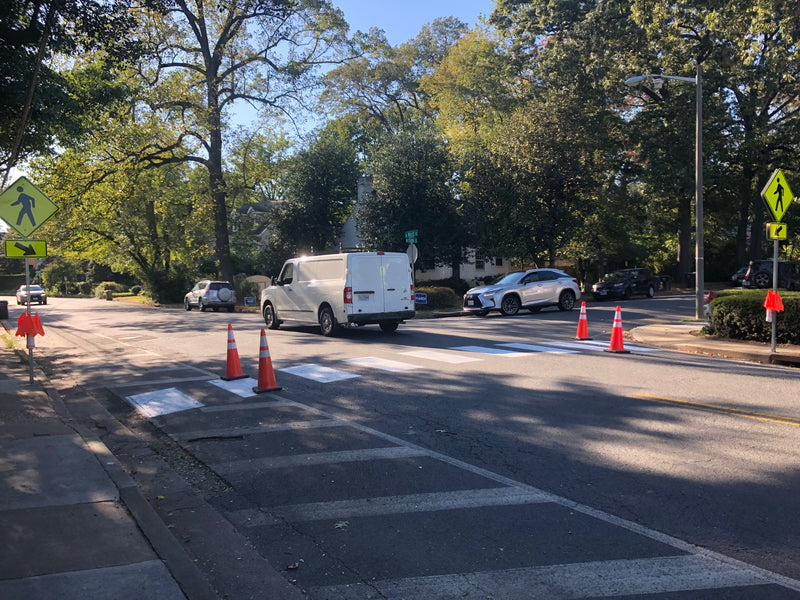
column 453, row 355
column 383, row 364
column 439, row 356
column 318, row 373
column 602, row 579
column 537, row 348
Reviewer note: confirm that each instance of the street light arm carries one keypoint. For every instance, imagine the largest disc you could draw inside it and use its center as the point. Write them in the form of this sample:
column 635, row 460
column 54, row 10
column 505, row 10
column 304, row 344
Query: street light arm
column 640, row 79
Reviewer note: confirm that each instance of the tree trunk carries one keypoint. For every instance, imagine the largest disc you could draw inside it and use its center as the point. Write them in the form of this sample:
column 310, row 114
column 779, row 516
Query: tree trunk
column 757, row 230
column 216, row 180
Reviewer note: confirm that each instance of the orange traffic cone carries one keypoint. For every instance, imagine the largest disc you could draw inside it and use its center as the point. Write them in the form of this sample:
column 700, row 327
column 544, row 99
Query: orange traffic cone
column 616, row 334
column 583, row 327
column 266, row 376
column 233, row 369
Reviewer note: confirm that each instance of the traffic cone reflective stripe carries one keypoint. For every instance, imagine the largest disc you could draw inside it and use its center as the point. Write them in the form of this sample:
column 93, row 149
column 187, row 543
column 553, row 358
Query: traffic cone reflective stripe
column 616, row 334
column 233, row 368
column 583, row 327
column 266, row 376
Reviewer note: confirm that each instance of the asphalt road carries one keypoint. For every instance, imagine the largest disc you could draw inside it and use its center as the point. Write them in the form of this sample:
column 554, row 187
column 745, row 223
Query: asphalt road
column 463, row 456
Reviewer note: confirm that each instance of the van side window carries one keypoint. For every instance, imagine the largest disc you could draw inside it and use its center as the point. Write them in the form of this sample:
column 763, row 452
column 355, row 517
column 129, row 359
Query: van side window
column 287, row 275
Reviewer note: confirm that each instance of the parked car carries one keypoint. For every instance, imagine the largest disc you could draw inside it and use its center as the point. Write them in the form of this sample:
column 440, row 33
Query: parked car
column 532, row 289
column 624, row 283
column 211, row 294
column 36, row 293
column 759, row 274
column 738, row 277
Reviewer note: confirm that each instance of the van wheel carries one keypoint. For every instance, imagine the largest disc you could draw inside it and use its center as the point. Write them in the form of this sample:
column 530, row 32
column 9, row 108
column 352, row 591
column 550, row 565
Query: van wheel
column 389, row 326
column 269, row 317
column 327, row 324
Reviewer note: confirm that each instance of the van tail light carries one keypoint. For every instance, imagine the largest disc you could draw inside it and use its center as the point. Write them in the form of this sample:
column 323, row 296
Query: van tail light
column 412, row 290
column 348, row 295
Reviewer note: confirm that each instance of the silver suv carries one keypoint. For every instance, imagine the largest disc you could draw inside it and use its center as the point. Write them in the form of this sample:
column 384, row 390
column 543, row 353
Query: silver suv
column 211, row 294
column 532, row 289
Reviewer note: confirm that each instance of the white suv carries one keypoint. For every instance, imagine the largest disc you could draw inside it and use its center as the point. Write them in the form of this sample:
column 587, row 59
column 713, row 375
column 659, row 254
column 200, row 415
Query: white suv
column 532, row 289
column 211, row 294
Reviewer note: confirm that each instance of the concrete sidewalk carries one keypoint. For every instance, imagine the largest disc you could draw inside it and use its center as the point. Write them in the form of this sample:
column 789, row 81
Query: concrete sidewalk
column 685, row 337
column 73, row 524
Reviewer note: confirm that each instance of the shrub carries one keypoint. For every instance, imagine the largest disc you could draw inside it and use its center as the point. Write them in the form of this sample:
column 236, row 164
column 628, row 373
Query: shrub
column 741, row 315
column 457, row 286
column 439, row 297
column 136, row 290
column 117, row 288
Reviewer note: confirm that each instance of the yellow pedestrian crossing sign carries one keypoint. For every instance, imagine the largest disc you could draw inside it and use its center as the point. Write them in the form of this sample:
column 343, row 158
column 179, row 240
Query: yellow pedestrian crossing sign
column 777, row 231
column 25, row 207
column 777, row 195
column 26, row 248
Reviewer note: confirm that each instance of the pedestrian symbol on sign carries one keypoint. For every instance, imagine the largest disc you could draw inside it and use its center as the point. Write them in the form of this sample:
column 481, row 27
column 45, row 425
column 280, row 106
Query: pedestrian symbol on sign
column 27, row 204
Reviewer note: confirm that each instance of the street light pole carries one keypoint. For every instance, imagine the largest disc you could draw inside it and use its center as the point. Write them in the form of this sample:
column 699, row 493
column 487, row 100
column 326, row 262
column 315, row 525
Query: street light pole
column 699, row 270
column 699, row 267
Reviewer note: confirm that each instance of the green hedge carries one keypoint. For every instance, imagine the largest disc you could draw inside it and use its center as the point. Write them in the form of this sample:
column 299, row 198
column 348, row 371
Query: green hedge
column 10, row 283
column 741, row 315
column 117, row 288
column 439, row 297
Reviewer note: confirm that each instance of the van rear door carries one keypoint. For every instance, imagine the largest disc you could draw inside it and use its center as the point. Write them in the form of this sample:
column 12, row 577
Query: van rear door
column 396, row 283
column 366, row 282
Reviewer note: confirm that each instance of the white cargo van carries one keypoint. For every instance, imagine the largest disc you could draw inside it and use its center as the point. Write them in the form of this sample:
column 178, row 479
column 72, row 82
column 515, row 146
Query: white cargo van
column 341, row 289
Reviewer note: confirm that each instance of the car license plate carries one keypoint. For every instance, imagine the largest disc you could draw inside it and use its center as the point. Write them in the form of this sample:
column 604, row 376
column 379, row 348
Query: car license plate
column 363, row 297
column 470, row 302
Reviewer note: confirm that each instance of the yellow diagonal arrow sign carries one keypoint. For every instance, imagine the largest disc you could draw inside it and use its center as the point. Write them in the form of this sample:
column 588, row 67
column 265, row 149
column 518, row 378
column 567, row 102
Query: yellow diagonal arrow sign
column 26, row 248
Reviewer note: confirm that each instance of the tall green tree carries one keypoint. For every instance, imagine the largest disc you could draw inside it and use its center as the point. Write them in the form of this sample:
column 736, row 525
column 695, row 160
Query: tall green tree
column 412, row 179
column 320, row 187
column 206, row 59
column 381, row 87
column 748, row 54
column 41, row 104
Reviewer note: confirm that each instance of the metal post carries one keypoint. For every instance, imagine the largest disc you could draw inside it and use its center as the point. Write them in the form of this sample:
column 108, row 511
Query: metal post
column 29, row 337
column 774, row 338
column 698, row 176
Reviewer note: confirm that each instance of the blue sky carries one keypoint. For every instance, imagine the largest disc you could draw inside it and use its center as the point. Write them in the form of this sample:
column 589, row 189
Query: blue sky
column 402, row 19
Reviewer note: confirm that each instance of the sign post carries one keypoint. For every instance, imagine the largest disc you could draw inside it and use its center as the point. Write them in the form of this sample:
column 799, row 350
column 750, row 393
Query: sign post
column 777, row 196
column 25, row 208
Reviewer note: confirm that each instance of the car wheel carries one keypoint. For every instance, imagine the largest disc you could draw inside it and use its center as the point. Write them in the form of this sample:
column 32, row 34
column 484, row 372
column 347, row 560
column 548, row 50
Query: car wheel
column 762, row 279
column 43, row 301
column 186, row 304
column 510, row 305
column 389, row 326
column 651, row 292
column 269, row 317
column 566, row 301
column 201, row 306
column 327, row 324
